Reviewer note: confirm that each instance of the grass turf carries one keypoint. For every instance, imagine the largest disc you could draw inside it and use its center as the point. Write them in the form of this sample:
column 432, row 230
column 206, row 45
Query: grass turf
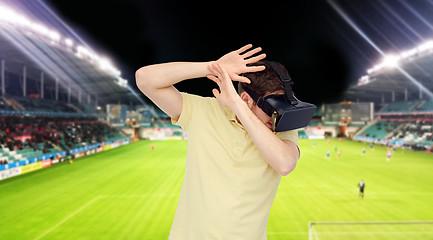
column 132, row 192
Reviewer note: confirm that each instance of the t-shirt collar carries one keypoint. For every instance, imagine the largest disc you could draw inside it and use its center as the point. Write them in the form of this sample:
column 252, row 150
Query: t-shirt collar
column 232, row 117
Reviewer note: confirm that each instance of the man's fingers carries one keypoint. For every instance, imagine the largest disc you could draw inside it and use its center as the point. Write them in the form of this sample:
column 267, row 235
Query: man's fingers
column 256, row 58
column 241, row 79
column 215, row 69
column 221, row 72
column 244, row 48
column 251, row 52
column 222, row 75
column 215, row 92
column 256, row 68
column 214, row 72
column 213, row 78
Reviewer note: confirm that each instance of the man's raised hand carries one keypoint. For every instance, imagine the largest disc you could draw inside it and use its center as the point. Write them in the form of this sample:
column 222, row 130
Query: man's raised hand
column 235, row 62
column 227, row 95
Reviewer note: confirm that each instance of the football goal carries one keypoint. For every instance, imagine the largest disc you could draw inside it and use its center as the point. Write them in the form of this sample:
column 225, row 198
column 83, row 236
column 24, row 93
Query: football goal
column 393, row 230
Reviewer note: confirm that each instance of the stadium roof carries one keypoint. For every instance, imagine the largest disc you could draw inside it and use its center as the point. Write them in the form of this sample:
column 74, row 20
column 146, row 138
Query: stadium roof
column 32, row 35
column 406, row 76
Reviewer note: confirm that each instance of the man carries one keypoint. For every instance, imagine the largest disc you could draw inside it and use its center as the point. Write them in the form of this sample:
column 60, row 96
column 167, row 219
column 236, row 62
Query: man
column 361, row 186
column 234, row 160
column 388, row 154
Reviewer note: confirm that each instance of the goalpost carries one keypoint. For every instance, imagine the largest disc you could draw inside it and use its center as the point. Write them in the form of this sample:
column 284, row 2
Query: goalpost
column 392, row 230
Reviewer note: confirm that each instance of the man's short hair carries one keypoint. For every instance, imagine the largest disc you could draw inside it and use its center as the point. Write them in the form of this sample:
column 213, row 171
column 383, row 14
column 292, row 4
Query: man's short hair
column 263, row 82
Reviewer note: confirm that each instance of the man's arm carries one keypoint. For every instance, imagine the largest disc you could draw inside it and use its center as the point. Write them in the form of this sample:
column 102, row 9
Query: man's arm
column 156, row 81
column 281, row 155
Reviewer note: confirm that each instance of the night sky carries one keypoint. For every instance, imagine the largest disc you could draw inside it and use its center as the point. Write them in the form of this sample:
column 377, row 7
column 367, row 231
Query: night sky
column 322, row 52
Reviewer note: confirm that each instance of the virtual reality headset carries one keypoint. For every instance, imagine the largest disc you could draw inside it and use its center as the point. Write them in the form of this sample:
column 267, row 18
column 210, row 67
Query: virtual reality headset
column 287, row 111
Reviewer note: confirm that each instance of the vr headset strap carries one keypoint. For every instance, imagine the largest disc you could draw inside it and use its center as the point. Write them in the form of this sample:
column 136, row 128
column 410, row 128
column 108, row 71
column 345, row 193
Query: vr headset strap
column 261, row 103
column 259, row 100
column 285, row 78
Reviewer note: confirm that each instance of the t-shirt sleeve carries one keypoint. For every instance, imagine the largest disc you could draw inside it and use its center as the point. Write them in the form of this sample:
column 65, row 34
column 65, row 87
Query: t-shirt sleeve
column 192, row 106
column 186, row 112
column 291, row 135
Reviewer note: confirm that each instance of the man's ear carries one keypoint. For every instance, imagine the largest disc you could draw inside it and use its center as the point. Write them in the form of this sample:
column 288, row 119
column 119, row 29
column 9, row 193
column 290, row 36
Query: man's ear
column 246, row 98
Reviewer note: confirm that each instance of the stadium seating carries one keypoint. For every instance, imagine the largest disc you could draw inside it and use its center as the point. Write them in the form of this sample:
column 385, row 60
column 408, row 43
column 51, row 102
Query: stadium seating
column 31, row 106
column 163, row 124
column 380, row 129
column 408, row 123
column 401, row 106
column 4, row 104
column 425, row 106
column 24, row 137
column 43, row 105
column 415, row 133
column 408, row 106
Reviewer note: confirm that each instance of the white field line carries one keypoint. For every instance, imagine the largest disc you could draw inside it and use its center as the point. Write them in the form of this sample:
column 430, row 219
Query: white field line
column 68, row 217
column 287, row 233
column 356, row 233
column 294, row 193
column 96, row 199
column 140, row 196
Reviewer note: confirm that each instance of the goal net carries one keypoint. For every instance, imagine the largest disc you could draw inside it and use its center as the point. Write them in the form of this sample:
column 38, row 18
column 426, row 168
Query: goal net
column 401, row 230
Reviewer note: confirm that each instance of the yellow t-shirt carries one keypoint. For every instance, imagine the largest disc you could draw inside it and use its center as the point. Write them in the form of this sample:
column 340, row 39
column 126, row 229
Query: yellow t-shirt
column 228, row 187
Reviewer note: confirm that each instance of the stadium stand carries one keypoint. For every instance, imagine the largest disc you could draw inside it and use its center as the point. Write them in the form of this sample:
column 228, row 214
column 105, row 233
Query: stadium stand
column 4, row 104
column 418, row 106
column 405, row 124
column 26, row 105
column 23, row 137
column 402, row 94
column 54, row 90
column 424, row 106
column 415, row 133
column 380, row 129
column 401, row 106
column 43, row 105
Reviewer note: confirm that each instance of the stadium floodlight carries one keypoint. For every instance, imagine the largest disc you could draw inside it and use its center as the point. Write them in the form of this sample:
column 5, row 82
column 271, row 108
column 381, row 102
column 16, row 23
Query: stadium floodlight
column 41, row 29
column 55, row 36
column 390, row 61
column 409, row 53
column 425, row 46
column 122, row 82
column 69, row 42
column 364, row 80
column 375, row 68
column 105, row 64
column 81, row 51
column 10, row 17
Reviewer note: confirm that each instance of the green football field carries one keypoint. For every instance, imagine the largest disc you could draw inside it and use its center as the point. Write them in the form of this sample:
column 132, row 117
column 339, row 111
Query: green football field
column 131, row 192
